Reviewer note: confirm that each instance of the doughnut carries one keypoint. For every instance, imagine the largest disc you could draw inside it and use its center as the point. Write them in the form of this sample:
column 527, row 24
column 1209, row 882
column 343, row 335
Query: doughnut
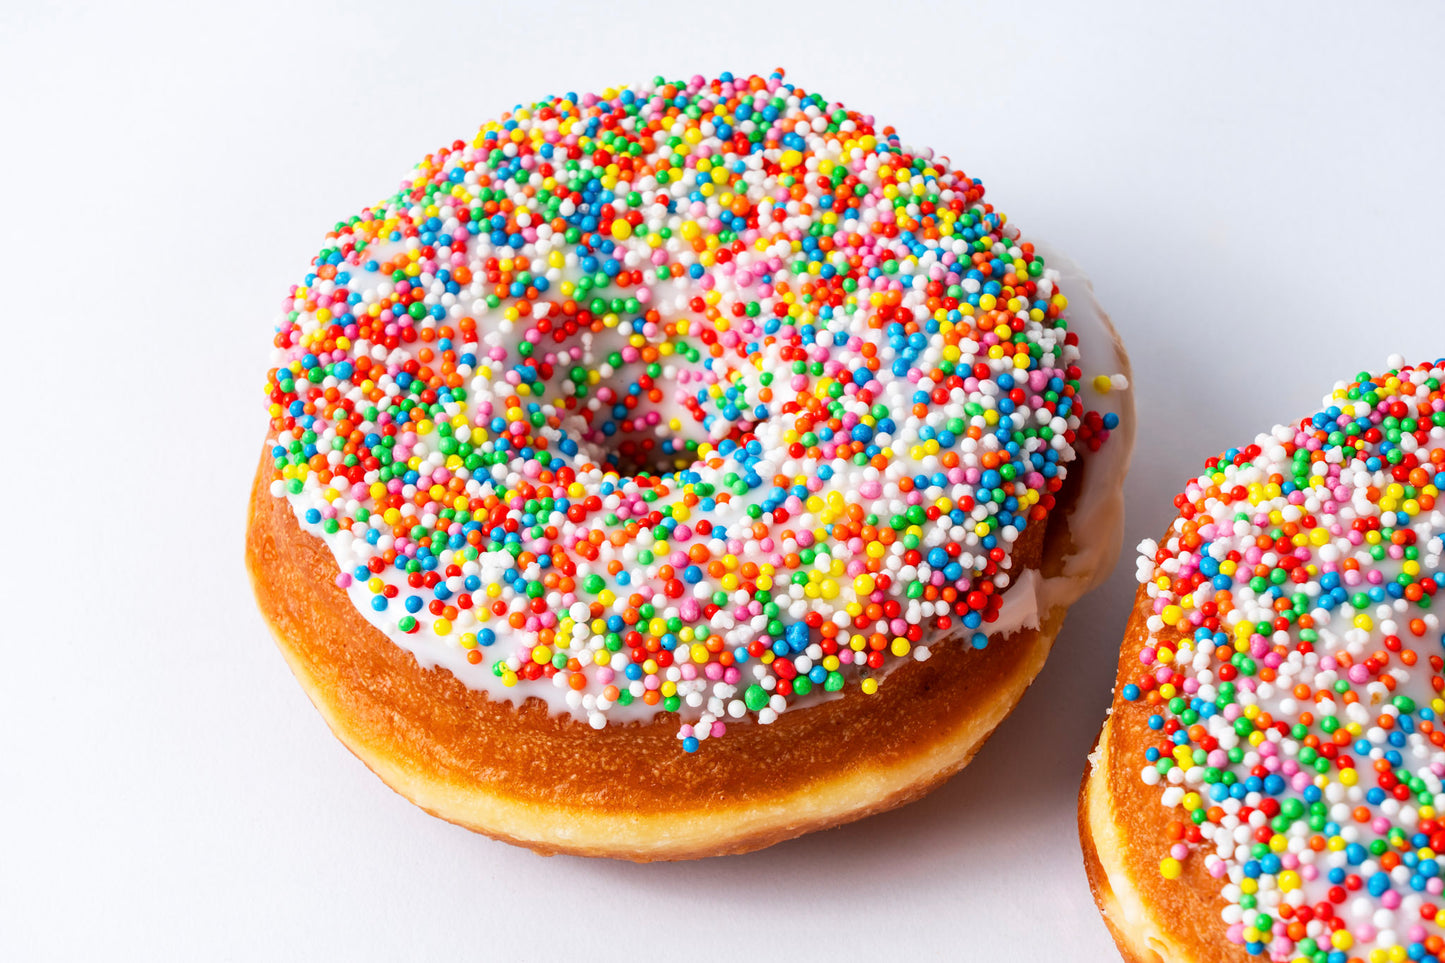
column 1269, row 780
column 674, row 470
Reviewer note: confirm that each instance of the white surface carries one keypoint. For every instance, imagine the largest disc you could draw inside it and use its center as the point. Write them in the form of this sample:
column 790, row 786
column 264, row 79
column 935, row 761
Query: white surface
column 1255, row 192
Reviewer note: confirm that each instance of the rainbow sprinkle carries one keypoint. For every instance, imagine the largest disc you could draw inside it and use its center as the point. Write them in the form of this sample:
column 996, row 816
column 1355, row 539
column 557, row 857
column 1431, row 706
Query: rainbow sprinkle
column 698, row 397
column 1294, row 667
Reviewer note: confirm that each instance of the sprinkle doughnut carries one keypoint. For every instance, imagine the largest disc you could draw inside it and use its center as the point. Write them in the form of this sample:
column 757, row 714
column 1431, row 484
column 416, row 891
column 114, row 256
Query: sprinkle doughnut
column 677, row 469
column 1269, row 782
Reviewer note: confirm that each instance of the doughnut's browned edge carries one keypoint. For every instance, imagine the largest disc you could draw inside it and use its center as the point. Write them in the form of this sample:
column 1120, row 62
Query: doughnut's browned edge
column 555, row 785
column 1122, row 832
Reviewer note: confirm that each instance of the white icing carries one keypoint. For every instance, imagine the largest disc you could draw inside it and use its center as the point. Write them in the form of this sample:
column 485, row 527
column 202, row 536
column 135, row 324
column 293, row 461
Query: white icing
column 1366, row 656
column 1097, row 518
column 875, row 336
column 1095, row 521
column 1020, row 604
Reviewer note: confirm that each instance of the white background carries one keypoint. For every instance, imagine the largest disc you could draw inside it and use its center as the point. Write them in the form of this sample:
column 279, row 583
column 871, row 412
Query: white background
column 1255, row 190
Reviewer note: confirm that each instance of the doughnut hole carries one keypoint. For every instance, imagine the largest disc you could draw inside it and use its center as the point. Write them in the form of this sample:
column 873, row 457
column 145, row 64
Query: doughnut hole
column 645, row 416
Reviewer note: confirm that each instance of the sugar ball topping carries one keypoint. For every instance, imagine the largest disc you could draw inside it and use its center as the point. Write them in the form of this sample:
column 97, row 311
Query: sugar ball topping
column 697, row 396
column 1293, row 673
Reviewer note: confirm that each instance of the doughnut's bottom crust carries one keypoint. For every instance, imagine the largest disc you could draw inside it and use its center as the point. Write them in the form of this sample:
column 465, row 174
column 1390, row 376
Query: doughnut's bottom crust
column 555, row 785
column 1122, row 831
